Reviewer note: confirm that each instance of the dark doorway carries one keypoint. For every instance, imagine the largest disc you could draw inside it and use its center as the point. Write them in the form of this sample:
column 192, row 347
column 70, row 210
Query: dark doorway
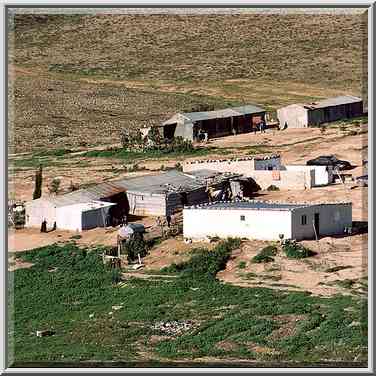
column 184, row 198
column 169, row 131
column 317, row 224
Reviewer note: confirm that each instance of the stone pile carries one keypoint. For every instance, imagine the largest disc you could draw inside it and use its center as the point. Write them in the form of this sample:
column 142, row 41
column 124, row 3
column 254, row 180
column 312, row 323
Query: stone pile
column 174, row 327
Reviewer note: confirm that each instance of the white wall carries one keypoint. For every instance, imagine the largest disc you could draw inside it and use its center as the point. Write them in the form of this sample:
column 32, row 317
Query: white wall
column 38, row 210
column 333, row 219
column 294, row 180
column 237, row 166
column 296, row 116
column 259, row 224
column 321, row 174
column 69, row 218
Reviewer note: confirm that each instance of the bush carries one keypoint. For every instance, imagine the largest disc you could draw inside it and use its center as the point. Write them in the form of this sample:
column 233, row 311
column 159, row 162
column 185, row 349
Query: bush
column 205, row 264
column 134, row 247
column 296, row 251
column 178, row 145
column 265, row 255
column 178, row 166
column 54, row 186
column 19, row 218
column 272, row 188
column 242, row 265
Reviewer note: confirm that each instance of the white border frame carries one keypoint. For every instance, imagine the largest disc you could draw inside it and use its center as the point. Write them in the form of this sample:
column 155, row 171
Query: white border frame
column 367, row 5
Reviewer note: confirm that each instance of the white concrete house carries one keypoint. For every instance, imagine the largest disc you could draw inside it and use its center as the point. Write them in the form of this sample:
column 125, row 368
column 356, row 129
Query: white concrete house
column 267, row 170
column 265, row 220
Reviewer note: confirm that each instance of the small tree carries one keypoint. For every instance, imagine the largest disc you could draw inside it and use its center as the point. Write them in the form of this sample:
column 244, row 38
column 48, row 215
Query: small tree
column 154, row 137
column 38, row 183
column 131, row 140
column 54, row 186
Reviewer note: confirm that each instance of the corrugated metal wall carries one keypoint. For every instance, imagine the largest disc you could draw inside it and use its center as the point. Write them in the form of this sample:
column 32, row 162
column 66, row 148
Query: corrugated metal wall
column 144, row 204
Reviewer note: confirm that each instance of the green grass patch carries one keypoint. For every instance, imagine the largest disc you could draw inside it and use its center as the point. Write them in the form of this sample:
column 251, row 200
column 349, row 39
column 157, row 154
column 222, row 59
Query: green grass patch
column 68, row 290
column 204, row 263
column 346, row 283
column 117, row 153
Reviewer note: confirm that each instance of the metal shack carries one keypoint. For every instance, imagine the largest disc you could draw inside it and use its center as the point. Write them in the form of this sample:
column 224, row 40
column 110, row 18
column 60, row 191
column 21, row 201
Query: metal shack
column 266, row 220
column 166, row 193
column 325, row 111
column 220, row 123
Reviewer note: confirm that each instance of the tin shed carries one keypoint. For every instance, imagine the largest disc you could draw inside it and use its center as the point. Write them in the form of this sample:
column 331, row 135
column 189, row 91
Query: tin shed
column 316, row 113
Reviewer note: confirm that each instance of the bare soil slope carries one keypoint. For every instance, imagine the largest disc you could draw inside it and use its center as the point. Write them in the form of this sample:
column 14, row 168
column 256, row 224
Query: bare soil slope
column 78, row 80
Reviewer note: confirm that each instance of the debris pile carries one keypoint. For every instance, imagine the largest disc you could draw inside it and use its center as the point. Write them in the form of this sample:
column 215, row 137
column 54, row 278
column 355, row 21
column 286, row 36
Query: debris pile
column 175, row 327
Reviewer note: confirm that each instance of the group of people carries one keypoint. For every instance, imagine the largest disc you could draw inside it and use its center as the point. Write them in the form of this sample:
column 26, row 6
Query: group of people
column 261, row 126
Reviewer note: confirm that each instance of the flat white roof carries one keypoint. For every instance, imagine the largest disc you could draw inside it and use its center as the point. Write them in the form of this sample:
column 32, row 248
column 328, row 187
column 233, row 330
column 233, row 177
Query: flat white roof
column 259, row 205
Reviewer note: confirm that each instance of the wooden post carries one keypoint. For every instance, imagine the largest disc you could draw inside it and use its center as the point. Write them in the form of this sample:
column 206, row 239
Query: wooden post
column 119, row 246
column 314, row 228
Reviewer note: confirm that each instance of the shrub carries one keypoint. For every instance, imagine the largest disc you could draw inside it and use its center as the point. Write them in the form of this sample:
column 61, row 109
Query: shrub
column 19, row 218
column 242, row 265
column 178, row 145
column 131, row 139
column 265, row 255
column 54, row 186
column 178, row 166
column 205, row 264
column 272, row 188
column 296, row 251
column 134, row 247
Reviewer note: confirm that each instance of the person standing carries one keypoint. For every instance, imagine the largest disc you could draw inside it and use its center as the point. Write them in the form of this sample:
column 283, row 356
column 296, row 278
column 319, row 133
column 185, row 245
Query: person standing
column 262, row 127
column 168, row 220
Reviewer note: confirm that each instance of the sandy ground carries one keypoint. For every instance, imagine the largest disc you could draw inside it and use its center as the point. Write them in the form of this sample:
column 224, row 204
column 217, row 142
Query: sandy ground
column 310, row 274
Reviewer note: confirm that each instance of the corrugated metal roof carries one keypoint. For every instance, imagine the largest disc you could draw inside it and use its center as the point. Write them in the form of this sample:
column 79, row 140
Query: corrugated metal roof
column 171, row 181
column 161, row 183
column 93, row 193
column 217, row 114
column 335, row 101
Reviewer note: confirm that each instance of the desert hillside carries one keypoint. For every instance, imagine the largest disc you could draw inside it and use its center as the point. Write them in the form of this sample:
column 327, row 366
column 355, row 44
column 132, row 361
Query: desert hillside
column 78, row 79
